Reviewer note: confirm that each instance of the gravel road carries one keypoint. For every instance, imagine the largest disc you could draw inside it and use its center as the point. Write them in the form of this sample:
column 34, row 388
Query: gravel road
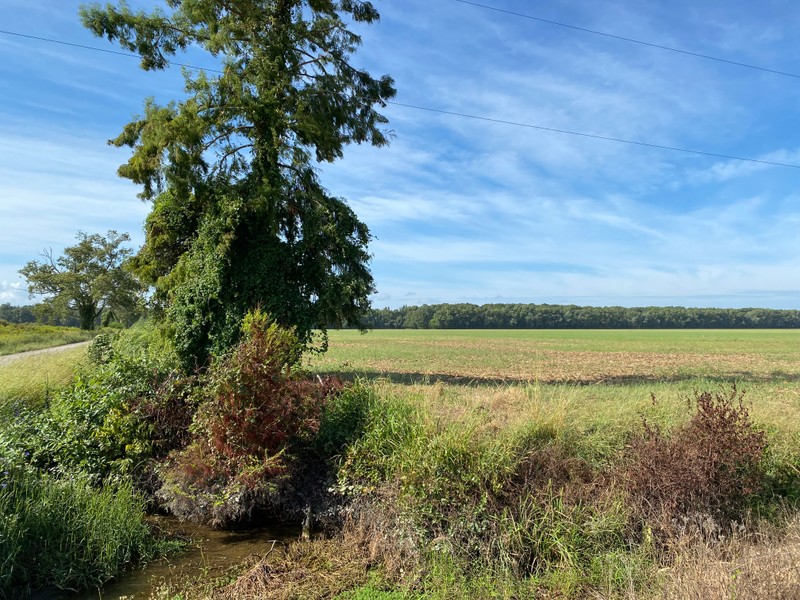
column 8, row 358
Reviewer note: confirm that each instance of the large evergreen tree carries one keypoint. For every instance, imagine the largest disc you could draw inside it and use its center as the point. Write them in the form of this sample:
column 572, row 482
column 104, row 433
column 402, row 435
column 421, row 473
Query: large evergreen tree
column 239, row 216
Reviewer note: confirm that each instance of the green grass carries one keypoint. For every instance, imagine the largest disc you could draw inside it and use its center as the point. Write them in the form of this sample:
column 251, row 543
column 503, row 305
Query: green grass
column 32, row 378
column 32, row 336
column 67, row 532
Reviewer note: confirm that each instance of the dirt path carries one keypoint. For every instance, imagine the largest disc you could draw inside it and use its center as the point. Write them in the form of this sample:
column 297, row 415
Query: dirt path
column 8, row 358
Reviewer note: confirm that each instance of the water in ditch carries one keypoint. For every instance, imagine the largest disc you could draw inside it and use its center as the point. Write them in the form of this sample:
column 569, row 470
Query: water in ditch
column 208, row 554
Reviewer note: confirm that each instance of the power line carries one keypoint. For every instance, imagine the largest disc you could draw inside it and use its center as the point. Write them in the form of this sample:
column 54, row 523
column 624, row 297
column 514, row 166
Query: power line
column 597, row 137
column 630, row 40
column 459, row 114
column 96, row 49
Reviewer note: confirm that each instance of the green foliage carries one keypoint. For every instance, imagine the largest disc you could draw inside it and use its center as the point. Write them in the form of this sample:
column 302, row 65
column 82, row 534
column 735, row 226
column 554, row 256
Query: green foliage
column 393, row 428
column 255, row 407
column 91, row 425
column 68, row 514
column 16, row 314
column 515, row 504
column 550, row 316
column 239, row 217
column 88, row 426
column 66, row 532
column 88, row 280
column 100, row 351
column 345, row 419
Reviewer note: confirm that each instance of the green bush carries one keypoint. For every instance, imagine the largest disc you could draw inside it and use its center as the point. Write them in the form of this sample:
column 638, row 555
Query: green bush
column 92, row 425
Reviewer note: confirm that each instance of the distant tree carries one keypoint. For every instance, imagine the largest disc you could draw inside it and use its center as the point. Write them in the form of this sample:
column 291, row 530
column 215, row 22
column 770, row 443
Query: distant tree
column 549, row 316
column 88, row 280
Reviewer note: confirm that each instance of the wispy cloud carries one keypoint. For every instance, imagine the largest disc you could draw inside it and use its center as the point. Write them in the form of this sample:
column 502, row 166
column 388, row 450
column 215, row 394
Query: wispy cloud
column 470, row 210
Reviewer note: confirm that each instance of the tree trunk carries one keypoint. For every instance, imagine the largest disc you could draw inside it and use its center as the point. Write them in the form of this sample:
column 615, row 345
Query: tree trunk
column 87, row 316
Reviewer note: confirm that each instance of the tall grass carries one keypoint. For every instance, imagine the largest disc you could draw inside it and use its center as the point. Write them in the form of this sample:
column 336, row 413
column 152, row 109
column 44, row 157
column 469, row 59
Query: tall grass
column 522, row 492
column 66, row 533
column 31, row 379
column 33, row 336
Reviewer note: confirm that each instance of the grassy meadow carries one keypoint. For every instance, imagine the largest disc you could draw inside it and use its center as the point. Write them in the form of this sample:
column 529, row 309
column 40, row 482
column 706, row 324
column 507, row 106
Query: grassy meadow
column 31, row 379
column 23, row 337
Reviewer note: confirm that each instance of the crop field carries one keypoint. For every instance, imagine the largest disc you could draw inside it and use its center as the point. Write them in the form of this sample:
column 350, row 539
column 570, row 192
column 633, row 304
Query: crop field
column 569, row 356
column 31, row 336
column 589, row 378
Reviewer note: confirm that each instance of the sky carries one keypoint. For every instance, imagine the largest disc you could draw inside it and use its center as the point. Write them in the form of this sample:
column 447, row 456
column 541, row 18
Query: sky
column 476, row 210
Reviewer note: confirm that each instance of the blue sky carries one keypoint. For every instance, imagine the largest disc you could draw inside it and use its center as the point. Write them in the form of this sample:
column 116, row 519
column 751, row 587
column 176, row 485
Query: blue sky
column 465, row 210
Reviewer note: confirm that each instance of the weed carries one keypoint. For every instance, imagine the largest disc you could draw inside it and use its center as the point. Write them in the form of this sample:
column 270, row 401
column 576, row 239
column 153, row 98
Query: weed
column 66, row 532
column 712, row 465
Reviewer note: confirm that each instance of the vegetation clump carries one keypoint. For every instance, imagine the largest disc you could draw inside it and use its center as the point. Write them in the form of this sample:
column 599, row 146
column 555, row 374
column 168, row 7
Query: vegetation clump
column 705, row 473
column 256, row 409
column 66, row 531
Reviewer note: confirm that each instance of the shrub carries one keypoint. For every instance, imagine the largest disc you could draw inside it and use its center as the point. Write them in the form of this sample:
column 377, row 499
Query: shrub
column 256, row 407
column 709, row 467
column 101, row 350
column 92, row 425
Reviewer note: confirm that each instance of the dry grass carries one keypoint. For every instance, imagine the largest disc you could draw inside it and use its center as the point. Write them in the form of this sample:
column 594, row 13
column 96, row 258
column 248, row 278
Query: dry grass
column 314, row 570
column 756, row 567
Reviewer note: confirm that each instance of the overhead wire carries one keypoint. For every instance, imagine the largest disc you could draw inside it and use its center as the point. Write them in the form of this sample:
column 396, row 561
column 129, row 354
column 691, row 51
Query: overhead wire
column 453, row 113
column 630, row 40
column 598, row 137
column 96, row 49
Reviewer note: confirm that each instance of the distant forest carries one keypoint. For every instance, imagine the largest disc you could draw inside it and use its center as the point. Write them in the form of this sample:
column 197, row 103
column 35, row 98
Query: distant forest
column 534, row 316
column 29, row 314
column 555, row 316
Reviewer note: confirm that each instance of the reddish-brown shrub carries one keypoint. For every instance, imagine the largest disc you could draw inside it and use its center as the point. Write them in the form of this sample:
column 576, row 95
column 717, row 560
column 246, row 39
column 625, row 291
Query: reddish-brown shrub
column 256, row 406
column 708, row 467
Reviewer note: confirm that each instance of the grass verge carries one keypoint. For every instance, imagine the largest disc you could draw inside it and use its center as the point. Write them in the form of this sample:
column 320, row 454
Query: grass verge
column 33, row 378
column 23, row 337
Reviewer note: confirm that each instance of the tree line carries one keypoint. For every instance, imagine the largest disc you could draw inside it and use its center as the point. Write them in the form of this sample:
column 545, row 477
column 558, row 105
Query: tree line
column 555, row 316
column 18, row 314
